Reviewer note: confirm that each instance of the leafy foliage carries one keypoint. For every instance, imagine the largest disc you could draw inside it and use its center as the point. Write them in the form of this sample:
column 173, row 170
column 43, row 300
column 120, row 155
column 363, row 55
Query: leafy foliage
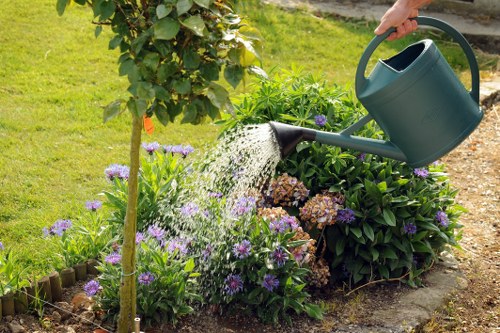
column 395, row 232
column 172, row 51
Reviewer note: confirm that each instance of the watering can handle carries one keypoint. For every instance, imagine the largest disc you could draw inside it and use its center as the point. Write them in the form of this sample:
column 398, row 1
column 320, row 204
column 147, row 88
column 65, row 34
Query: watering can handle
column 422, row 20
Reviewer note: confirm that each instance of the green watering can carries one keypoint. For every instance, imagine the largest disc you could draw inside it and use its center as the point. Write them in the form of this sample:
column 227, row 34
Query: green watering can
column 415, row 98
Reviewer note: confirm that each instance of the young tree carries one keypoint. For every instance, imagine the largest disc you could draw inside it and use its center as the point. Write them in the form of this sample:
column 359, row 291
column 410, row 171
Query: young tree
column 172, row 52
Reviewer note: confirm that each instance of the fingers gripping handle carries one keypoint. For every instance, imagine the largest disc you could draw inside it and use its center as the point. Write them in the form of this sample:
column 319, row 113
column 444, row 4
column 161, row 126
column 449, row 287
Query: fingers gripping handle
column 429, row 21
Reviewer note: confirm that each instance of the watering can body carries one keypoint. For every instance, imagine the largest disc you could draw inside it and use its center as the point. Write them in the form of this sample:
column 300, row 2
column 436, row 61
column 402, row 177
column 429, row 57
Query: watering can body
column 415, row 98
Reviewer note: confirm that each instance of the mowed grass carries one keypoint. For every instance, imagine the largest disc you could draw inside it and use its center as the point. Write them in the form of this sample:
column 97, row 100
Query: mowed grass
column 55, row 77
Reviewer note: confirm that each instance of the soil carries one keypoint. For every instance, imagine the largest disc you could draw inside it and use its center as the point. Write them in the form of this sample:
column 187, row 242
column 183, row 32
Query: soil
column 473, row 169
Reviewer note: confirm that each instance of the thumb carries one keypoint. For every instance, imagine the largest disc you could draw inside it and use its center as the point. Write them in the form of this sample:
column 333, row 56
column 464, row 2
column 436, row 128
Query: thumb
column 382, row 27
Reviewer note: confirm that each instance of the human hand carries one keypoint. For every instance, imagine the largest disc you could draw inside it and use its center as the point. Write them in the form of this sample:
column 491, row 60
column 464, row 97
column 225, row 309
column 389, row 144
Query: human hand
column 399, row 16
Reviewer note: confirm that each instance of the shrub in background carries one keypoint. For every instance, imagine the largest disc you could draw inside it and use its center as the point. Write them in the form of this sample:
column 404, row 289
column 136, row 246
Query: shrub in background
column 394, row 221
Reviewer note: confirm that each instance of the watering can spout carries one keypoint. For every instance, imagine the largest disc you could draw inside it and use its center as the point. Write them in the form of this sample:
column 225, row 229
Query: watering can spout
column 288, row 136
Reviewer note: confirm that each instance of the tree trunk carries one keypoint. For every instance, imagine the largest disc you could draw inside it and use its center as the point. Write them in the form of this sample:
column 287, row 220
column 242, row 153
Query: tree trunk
column 128, row 284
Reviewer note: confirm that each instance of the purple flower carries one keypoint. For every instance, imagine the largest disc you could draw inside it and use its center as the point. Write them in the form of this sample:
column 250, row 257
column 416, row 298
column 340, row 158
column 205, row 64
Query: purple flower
column 92, row 287
column 362, row 157
column 121, row 172
column 422, row 173
column 1, row 246
column 146, row 278
column 93, row 205
column 156, row 232
column 442, row 218
column 186, row 150
column 244, row 205
column 179, row 244
column 242, row 250
column 207, row 252
column 279, row 256
column 410, row 229
column 58, row 228
column 278, row 226
column 216, row 195
column 270, row 282
column 139, row 237
column 290, row 222
column 320, row 120
column 190, row 209
column 234, row 284
column 346, row 216
column 151, row 147
column 113, row 259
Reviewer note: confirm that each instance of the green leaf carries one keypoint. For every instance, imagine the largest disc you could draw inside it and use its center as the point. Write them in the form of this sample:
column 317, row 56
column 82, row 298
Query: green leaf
column 191, row 59
column 182, row 86
column 389, row 217
column 126, row 67
column 61, row 6
column 384, row 272
column 137, row 106
column 189, row 114
column 210, row 71
column 162, row 115
column 389, row 253
column 357, row 232
column 203, row 3
column 195, row 24
column 166, row 28
column 255, row 70
column 115, row 42
column 313, row 311
column 183, row 6
column 98, row 31
column 112, row 110
column 375, row 253
column 166, row 70
column 420, row 246
column 340, row 246
column 189, row 266
column 382, row 186
column 107, row 9
column 217, row 94
column 162, row 94
column 162, row 11
column 233, row 75
column 145, row 90
column 151, row 60
column 368, row 230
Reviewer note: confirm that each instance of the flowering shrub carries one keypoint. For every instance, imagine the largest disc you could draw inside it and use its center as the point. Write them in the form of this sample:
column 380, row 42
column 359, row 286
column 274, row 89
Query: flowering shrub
column 389, row 220
column 165, row 276
column 252, row 264
column 160, row 177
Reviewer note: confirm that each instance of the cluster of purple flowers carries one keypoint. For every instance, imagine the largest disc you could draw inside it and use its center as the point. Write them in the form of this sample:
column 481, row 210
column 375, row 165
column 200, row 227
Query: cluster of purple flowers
column 92, row 287
column 442, row 218
column 345, row 216
column 244, row 205
column 146, row 278
column 178, row 149
column 190, row 209
column 113, row 258
column 270, row 282
column 410, row 229
column 422, row 173
column 243, row 249
column 233, row 284
column 58, row 228
column 156, row 232
column 151, row 147
column 279, row 256
column 139, row 237
column 117, row 171
column 93, row 205
column 284, row 224
column 178, row 244
column 320, row 120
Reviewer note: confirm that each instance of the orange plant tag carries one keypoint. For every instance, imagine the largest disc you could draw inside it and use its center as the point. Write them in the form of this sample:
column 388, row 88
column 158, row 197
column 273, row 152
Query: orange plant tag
column 149, row 127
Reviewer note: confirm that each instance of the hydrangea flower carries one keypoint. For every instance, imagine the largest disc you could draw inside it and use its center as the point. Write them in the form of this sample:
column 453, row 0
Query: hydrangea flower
column 420, row 172
column 121, row 172
column 146, row 278
column 233, row 284
column 93, row 205
column 442, row 218
column 139, row 237
column 320, row 120
column 151, row 147
column 113, row 258
column 346, row 215
column 410, row 229
column 92, row 287
column 242, row 250
column 156, row 232
column 270, row 282
column 244, row 205
column 279, row 256
column 189, row 209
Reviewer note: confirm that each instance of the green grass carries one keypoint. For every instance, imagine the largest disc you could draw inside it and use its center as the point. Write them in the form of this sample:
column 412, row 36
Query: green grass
column 55, row 76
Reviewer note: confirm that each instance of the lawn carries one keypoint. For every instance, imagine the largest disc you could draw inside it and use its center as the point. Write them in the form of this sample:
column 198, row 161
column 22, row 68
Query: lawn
column 56, row 76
